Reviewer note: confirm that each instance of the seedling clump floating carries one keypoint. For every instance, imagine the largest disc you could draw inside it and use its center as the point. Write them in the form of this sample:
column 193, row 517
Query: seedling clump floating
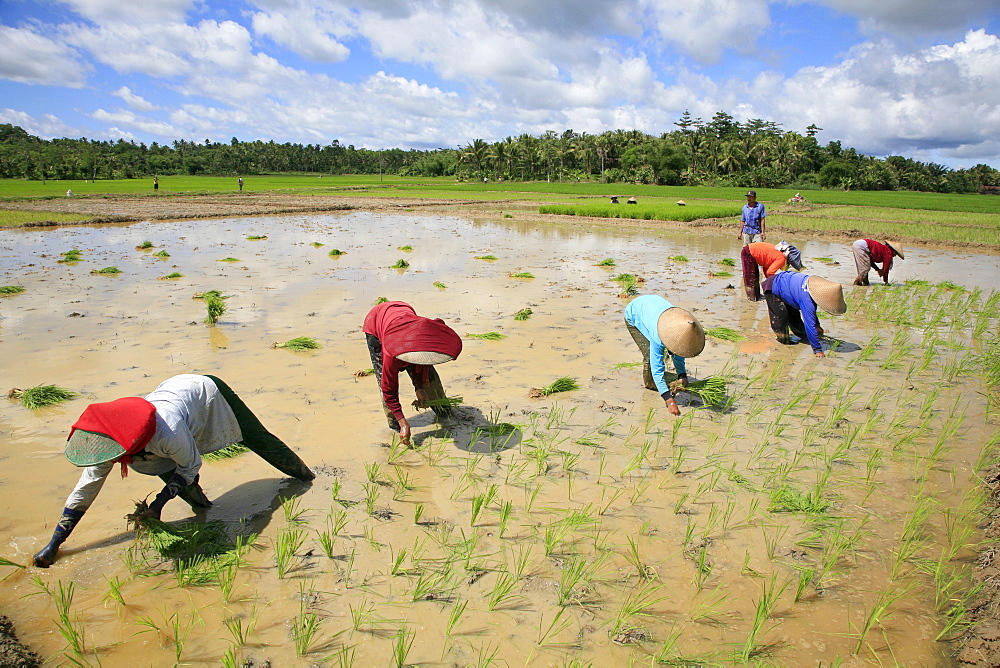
column 336, row 252
column 257, row 237
column 521, row 274
column 299, row 343
column 230, row 259
column 725, row 333
column 489, row 258
column 161, row 253
column 74, row 255
column 564, row 384
column 489, row 336
column 107, row 270
column 440, row 285
column 400, row 264
column 727, row 262
column 523, row 314
column 145, row 245
column 11, row 289
column 317, row 244
column 405, row 249
column 40, row 396
column 607, row 262
column 679, row 258
column 175, row 274
column 215, row 306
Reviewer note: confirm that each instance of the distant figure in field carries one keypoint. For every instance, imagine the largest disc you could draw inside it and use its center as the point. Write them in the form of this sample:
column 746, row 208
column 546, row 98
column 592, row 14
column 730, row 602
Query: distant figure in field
column 772, row 258
column 869, row 253
column 752, row 220
column 239, row 182
column 614, row 199
column 681, row 202
column 156, row 183
column 632, row 200
column 69, row 193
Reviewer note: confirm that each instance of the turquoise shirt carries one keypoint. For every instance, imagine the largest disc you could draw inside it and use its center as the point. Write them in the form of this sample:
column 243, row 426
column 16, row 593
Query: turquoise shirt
column 643, row 313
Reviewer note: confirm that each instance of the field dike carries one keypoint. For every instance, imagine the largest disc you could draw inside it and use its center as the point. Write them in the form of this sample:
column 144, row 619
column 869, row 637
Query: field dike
column 828, row 510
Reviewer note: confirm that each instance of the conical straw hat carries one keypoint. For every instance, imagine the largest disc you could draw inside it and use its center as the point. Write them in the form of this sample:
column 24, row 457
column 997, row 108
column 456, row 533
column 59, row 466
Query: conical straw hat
column 897, row 249
column 681, row 332
column 828, row 295
column 424, row 357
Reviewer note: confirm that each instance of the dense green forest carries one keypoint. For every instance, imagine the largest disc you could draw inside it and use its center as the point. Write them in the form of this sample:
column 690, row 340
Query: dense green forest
column 719, row 152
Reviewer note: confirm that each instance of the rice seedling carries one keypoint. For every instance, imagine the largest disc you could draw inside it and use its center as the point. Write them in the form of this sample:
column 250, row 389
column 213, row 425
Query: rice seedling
column 172, row 275
column 317, row 244
column 632, row 556
column 418, row 513
column 299, row 343
column 290, row 509
column 488, row 258
column 488, row 336
column 145, row 245
column 70, row 627
column 109, row 271
column 74, row 255
column 256, row 237
column 215, row 307
column 405, row 249
column 711, row 390
column 632, row 607
column 880, row 610
column 520, row 274
column 114, row 590
column 564, row 384
column 725, row 334
column 230, row 259
column 523, row 314
column 606, row 262
column 288, row 542
column 402, row 643
column 400, row 264
column 770, row 592
column 455, row 616
column 628, row 283
column 440, row 285
column 305, row 626
column 502, row 592
column 806, row 577
column 679, row 258
column 721, row 274
column 727, row 262
column 336, row 252
column 11, row 289
column 41, row 396
column 161, row 254
column 372, row 492
column 208, row 294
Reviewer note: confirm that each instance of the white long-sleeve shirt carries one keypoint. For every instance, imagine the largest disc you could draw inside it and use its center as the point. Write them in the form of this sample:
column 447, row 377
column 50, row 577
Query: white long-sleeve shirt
column 192, row 419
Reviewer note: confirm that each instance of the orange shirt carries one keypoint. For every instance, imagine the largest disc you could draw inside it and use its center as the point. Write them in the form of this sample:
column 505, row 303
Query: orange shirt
column 768, row 257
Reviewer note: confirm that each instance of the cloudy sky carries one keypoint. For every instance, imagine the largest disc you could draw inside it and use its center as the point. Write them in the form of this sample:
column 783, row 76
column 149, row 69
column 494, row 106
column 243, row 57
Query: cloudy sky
column 914, row 77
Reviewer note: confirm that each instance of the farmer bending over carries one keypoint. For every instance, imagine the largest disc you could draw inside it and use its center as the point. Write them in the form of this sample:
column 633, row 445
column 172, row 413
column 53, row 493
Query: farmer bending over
column 660, row 329
column 772, row 258
column 165, row 434
column 792, row 299
column 869, row 253
column 400, row 339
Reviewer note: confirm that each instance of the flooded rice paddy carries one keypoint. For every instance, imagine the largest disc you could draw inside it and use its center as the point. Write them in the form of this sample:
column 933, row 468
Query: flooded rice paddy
column 827, row 513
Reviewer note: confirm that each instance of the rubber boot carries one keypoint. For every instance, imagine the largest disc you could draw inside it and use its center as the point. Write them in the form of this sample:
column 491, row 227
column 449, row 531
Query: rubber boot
column 47, row 555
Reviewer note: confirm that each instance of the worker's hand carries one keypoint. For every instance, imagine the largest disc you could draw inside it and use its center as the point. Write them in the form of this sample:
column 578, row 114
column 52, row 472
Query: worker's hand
column 819, row 353
column 819, row 331
column 672, row 407
column 404, row 431
column 763, row 237
column 422, row 398
column 46, row 556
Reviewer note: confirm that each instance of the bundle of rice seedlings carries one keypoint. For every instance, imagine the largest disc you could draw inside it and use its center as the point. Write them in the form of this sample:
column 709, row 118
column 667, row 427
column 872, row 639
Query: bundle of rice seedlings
column 71, row 256
column 679, row 258
column 489, row 336
column 145, row 245
column 521, row 274
column 11, row 289
column 445, row 401
column 162, row 254
column 400, row 264
column 227, row 452
column 381, row 300
column 486, row 257
column 40, row 396
column 256, row 237
column 405, row 249
column 107, row 270
column 725, row 333
column 523, row 314
column 182, row 540
column 299, row 343
column 230, row 259
column 336, row 252
column 720, row 274
column 210, row 293
column 564, row 384
column 215, row 306
column 440, row 285
column 317, row 244
column 628, row 283
column 172, row 275
column 727, row 262
column 711, row 390
column 607, row 262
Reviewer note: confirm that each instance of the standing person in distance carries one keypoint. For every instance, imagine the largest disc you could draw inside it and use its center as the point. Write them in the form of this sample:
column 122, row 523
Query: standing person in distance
column 752, row 220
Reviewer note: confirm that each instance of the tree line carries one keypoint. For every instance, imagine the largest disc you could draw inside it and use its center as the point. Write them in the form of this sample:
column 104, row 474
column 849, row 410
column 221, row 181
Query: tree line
column 721, row 152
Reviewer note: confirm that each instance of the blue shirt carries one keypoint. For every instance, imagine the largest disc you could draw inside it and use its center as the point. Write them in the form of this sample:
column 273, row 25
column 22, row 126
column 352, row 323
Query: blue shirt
column 792, row 288
column 643, row 313
column 752, row 217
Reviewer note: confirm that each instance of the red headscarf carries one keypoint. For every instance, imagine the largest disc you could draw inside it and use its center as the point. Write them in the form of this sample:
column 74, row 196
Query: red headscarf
column 130, row 422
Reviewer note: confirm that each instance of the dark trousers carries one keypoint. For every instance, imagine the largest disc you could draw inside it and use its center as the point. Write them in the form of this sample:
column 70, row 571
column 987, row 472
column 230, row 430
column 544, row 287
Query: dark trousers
column 751, row 275
column 784, row 318
column 434, row 389
column 647, row 373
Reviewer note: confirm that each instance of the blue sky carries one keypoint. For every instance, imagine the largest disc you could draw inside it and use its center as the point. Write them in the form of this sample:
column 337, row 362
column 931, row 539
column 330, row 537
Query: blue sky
column 919, row 78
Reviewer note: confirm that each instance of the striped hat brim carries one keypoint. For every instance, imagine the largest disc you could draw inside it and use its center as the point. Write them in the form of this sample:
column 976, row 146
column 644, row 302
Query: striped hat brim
column 87, row 448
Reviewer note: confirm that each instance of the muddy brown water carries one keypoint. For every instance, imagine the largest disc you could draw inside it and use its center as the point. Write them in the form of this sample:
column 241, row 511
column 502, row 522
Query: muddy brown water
column 692, row 495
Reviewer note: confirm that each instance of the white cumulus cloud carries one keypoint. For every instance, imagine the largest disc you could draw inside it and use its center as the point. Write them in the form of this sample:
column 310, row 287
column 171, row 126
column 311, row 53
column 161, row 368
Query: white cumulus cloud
column 134, row 101
column 29, row 57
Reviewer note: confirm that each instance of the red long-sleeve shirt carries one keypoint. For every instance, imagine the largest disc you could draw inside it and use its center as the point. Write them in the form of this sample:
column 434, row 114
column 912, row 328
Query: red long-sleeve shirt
column 400, row 330
column 881, row 256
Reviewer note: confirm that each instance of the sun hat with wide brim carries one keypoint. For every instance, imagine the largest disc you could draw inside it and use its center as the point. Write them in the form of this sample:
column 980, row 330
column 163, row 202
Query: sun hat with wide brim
column 681, row 332
column 424, row 357
column 897, row 249
column 87, row 448
column 828, row 295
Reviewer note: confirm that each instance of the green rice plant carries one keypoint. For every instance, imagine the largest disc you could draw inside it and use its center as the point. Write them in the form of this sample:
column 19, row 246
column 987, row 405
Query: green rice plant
column 488, row 336
column 114, row 590
column 405, row 249
column 564, row 384
column 480, row 501
column 488, row 258
column 454, row 616
column 305, row 626
column 400, row 264
column 444, row 401
column 711, row 390
column 256, row 237
column 721, row 274
column 725, row 334
column 214, row 307
column 161, row 254
column 107, row 271
column 633, row 606
column 227, row 452
column 770, row 593
column 230, row 259
column 172, row 275
column 573, row 574
column 11, row 289
column 290, row 508
column 288, row 542
column 786, row 499
column 74, row 255
column 372, row 492
column 402, row 643
column 502, row 592
column 418, row 513
column 521, row 274
column 336, row 252
column 176, row 632
column 727, row 262
column 506, row 507
column 41, row 396
column 606, row 262
column 70, row 626
column 208, row 294
column 523, row 314
column 806, row 577
column 440, row 285
column 317, row 244
column 299, row 343
column 679, row 258
column 431, row 586
column 880, row 610
column 632, row 557
column 628, row 284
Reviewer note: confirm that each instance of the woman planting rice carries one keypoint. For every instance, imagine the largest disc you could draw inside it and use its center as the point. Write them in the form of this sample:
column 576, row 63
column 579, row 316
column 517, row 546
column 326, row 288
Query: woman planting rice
column 400, row 339
column 659, row 329
column 164, row 434
column 772, row 258
column 792, row 299
column 869, row 253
